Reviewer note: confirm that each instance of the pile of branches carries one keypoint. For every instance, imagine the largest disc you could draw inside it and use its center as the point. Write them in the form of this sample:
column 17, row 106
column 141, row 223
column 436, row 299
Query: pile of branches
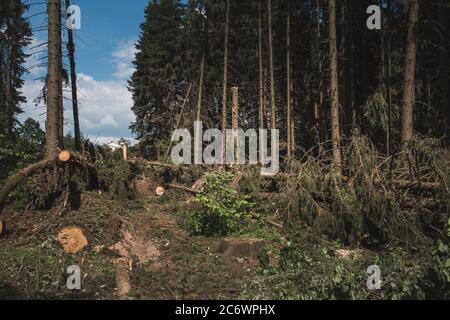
column 376, row 199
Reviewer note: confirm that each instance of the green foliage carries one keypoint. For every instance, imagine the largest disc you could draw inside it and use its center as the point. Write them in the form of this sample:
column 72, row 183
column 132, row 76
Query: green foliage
column 223, row 209
column 26, row 148
column 115, row 176
column 441, row 263
column 357, row 210
column 309, row 269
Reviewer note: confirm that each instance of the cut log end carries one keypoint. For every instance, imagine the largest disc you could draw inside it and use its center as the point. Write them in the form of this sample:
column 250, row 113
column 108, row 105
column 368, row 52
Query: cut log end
column 72, row 239
column 160, row 191
column 64, row 156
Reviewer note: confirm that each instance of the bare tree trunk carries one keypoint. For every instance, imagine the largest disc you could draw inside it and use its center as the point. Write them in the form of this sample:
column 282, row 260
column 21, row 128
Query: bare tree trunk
column 289, row 86
column 334, row 88
column 235, row 118
column 54, row 78
column 73, row 82
column 200, row 88
column 444, row 64
column 271, row 67
column 261, row 80
column 409, row 98
column 225, row 80
column 389, row 79
column 318, row 112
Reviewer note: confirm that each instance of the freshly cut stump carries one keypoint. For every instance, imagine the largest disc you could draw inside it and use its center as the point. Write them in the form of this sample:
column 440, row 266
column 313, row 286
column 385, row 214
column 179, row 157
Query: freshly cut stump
column 72, row 239
column 241, row 247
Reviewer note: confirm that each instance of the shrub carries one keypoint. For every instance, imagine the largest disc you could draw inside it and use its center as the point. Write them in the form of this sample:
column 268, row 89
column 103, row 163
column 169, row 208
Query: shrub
column 223, row 210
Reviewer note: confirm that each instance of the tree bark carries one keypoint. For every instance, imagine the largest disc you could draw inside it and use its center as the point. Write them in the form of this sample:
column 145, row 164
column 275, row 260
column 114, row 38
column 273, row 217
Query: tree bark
column 318, row 112
column 200, row 88
column 54, row 78
column 334, row 88
column 444, row 65
column 261, row 79
column 73, row 82
column 409, row 98
column 225, row 82
column 271, row 67
column 289, row 85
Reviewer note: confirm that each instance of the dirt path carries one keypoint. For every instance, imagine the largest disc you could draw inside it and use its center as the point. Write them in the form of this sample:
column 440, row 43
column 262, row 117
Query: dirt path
column 170, row 264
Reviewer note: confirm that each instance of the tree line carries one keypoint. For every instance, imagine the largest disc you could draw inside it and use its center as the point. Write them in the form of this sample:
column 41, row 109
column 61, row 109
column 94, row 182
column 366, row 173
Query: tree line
column 310, row 68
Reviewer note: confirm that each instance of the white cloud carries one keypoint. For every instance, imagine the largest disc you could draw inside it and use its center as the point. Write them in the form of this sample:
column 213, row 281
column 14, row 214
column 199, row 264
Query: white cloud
column 35, row 63
column 105, row 107
column 122, row 59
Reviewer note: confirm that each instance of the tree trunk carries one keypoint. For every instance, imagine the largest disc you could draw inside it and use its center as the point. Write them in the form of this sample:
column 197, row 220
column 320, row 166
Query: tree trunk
column 271, row 67
column 389, row 78
column 318, row 112
column 200, row 88
column 261, row 80
column 409, row 98
column 225, row 80
column 334, row 88
column 54, row 78
column 444, row 64
column 73, row 82
column 289, row 86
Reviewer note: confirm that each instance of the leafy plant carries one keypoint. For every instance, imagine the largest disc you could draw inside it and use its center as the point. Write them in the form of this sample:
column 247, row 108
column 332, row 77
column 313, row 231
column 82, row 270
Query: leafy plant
column 223, row 210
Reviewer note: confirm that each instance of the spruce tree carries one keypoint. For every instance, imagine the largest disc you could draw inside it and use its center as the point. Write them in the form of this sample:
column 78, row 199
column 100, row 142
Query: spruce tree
column 157, row 83
column 14, row 36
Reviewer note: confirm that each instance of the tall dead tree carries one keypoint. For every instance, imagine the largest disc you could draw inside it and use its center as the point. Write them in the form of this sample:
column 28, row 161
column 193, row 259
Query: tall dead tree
column 261, row 75
column 334, row 88
column 389, row 78
column 271, row 67
column 73, row 82
column 225, row 81
column 54, row 78
column 289, row 84
column 444, row 67
column 318, row 107
column 409, row 98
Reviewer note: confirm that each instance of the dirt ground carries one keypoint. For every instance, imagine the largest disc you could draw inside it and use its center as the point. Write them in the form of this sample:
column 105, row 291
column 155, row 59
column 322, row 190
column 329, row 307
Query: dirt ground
column 166, row 262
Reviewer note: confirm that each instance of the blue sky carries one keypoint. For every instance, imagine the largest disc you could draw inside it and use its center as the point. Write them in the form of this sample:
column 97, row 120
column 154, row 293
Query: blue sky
column 104, row 51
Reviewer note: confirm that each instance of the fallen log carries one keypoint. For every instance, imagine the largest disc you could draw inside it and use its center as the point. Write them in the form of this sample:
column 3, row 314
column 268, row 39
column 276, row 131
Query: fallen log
column 183, row 188
column 404, row 184
column 122, row 278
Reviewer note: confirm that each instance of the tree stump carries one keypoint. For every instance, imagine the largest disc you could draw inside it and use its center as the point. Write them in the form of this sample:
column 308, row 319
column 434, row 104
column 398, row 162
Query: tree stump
column 72, row 239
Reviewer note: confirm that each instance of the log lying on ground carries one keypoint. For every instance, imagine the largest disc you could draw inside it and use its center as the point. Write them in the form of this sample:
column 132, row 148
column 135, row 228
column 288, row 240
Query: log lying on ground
column 122, row 278
column 405, row 184
column 183, row 188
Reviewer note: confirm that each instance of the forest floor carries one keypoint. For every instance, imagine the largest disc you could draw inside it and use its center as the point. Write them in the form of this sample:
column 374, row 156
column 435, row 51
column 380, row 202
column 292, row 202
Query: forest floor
column 170, row 263
column 179, row 266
